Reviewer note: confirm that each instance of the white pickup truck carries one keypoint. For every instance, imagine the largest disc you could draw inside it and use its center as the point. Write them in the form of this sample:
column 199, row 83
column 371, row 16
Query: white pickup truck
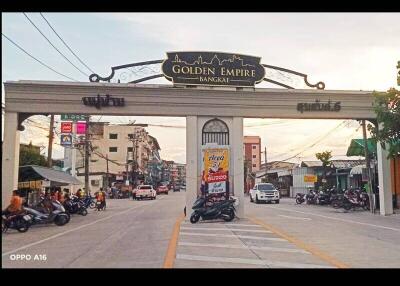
column 145, row 191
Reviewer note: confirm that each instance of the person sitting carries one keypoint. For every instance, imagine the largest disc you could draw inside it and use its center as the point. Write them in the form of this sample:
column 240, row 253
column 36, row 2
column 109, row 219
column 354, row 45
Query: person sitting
column 15, row 206
column 79, row 193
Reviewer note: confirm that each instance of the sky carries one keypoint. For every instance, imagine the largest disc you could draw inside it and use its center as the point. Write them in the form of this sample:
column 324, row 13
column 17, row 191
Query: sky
column 352, row 51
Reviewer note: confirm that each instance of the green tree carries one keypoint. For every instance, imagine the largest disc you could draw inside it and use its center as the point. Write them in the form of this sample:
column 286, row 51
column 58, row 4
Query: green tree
column 387, row 109
column 325, row 157
column 29, row 156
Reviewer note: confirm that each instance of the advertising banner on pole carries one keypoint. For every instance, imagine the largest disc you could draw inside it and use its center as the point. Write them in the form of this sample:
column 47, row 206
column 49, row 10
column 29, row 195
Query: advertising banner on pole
column 216, row 169
column 66, row 140
column 81, row 128
column 66, row 127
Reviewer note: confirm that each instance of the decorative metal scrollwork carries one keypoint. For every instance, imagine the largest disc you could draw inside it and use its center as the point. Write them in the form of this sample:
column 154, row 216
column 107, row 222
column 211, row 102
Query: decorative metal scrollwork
column 143, row 71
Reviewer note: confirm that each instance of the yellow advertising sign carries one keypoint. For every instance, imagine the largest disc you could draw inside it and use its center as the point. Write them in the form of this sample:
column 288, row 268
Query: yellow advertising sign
column 216, row 160
column 310, row 178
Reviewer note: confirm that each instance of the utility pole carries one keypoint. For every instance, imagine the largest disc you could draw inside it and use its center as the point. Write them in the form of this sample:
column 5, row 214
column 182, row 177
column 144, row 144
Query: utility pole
column 108, row 179
column 51, row 136
column 87, row 155
column 73, row 154
column 265, row 157
column 368, row 165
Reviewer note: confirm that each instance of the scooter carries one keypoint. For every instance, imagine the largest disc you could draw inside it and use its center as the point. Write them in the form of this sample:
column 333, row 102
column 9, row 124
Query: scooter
column 20, row 222
column 89, row 202
column 57, row 215
column 224, row 209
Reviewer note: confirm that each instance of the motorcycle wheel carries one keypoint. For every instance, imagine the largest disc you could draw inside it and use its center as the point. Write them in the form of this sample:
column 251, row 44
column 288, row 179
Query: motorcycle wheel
column 92, row 205
column 194, row 217
column 298, row 201
column 231, row 216
column 61, row 220
column 23, row 226
column 84, row 212
column 347, row 206
column 336, row 204
column 3, row 226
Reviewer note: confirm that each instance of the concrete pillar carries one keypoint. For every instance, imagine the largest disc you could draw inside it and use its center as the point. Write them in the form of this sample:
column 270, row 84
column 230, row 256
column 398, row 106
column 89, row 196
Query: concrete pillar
column 192, row 171
column 10, row 158
column 385, row 183
column 238, row 170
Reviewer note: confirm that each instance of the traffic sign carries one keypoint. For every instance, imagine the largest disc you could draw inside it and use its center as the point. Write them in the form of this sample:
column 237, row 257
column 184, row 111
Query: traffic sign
column 66, row 127
column 66, row 140
column 73, row 117
column 81, row 128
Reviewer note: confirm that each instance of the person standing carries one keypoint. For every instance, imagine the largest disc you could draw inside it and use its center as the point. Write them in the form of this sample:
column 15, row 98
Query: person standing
column 15, row 206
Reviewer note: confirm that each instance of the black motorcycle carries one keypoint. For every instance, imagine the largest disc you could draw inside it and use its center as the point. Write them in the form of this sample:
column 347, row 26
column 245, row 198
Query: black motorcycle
column 300, row 198
column 20, row 222
column 223, row 209
column 311, row 197
column 75, row 206
column 56, row 215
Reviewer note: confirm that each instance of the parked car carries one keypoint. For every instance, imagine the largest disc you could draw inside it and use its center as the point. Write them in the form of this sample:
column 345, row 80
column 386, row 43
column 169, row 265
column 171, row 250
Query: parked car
column 162, row 190
column 145, row 192
column 264, row 192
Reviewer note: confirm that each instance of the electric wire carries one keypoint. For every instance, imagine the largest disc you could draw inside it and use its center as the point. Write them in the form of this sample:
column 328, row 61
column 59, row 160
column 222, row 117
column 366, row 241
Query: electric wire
column 39, row 61
column 65, row 43
column 55, row 46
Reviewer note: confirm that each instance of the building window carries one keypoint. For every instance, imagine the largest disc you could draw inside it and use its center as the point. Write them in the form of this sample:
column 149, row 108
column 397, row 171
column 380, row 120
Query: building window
column 130, row 149
column 113, row 136
column 113, row 149
column 254, row 156
column 254, row 165
column 254, row 146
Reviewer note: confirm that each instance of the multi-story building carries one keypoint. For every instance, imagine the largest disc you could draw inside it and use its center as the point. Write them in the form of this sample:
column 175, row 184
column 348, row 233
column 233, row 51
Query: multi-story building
column 252, row 152
column 122, row 152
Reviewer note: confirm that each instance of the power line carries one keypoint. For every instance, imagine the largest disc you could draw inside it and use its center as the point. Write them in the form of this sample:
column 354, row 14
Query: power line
column 66, row 43
column 39, row 61
column 55, row 46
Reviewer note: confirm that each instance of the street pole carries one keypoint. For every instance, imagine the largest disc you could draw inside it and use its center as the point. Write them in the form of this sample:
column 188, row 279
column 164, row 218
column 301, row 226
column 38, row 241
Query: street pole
column 368, row 165
column 87, row 155
column 265, row 156
column 50, row 148
column 73, row 154
column 108, row 179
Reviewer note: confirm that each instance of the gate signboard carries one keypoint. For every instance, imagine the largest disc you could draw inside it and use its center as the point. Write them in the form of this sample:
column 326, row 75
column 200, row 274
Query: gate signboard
column 213, row 69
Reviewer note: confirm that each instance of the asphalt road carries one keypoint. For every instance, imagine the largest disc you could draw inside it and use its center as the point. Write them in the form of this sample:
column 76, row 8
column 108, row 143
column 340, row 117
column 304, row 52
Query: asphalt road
column 145, row 234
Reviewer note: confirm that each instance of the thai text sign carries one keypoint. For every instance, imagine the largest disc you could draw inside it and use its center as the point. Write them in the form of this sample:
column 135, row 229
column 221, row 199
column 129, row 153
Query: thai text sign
column 319, row 106
column 73, row 117
column 103, row 101
column 213, row 68
column 66, row 127
column 310, row 178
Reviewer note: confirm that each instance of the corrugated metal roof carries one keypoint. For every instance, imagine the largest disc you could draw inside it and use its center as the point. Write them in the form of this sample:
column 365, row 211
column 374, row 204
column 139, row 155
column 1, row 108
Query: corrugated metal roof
column 338, row 164
column 49, row 174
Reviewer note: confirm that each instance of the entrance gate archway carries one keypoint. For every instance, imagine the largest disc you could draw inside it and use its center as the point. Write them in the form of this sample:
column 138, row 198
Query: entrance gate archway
column 229, row 104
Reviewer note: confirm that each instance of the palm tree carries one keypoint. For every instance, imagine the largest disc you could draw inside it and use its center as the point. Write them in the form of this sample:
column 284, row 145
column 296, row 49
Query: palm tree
column 325, row 157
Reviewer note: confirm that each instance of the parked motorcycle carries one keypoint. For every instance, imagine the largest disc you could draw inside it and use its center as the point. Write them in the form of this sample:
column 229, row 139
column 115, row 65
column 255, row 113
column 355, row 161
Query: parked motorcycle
column 20, row 222
column 56, row 215
column 223, row 209
column 75, row 206
column 311, row 197
column 89, row 202
column 300, row 198
column 356, row 198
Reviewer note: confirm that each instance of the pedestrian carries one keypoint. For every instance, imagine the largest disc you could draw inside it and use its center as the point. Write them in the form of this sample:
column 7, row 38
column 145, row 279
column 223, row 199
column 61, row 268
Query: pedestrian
column 79, row 193
column 104, row 198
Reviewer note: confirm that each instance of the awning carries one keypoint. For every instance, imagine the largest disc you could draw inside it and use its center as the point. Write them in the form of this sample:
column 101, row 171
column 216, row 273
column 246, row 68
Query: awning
column 357, row 170
column 56, row 178
column 357, row 146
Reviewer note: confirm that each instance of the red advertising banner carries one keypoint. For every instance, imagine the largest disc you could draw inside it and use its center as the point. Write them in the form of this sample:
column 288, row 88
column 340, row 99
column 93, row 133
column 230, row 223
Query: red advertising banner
column 81, row 128
column 217, row 177
column 66, row 127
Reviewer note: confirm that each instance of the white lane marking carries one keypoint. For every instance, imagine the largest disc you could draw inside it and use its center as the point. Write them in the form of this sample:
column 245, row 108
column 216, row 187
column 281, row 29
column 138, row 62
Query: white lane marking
column 71, row 230
column 232, row 235
column 294, row 217
column 249, row 261
column 339, row 219
column 221, row 228
column 241, row 246
column 218, row 224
